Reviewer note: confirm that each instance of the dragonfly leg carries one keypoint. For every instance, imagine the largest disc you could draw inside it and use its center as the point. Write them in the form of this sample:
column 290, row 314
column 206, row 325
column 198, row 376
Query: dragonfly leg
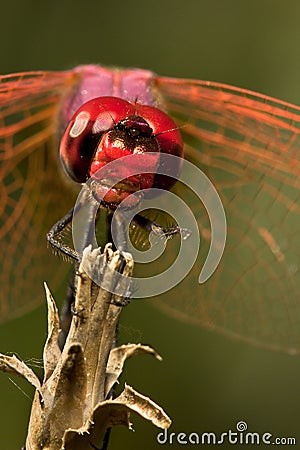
column 121, row 243
column 55, row 239
column 156, row 228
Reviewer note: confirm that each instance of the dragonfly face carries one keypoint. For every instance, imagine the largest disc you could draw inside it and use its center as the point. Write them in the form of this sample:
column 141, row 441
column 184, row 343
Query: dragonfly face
column 246, row 143
column 107, row 128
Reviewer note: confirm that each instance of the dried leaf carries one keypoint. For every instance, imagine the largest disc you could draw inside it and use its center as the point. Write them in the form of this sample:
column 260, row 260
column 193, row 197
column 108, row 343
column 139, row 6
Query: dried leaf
column 115, row 412
column 144, row 406
column 51, row 352
column 12, row 365
column 118, row 357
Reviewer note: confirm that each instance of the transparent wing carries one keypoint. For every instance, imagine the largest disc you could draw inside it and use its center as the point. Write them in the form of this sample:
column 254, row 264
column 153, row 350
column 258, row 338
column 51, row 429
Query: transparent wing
column 249, row 146
column 33, row 194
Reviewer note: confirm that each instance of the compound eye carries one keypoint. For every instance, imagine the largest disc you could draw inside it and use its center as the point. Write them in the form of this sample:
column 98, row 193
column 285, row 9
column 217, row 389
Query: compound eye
column 84, row 131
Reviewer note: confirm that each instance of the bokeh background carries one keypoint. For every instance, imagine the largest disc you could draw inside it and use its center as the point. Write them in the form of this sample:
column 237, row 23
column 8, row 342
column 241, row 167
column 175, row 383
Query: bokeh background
column 205, row 382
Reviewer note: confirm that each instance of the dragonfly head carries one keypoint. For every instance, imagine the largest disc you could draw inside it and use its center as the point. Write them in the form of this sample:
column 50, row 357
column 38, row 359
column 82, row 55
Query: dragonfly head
column 106, row 129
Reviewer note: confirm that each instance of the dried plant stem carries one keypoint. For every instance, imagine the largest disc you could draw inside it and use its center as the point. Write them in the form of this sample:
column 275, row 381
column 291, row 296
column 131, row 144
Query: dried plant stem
column 72, row 408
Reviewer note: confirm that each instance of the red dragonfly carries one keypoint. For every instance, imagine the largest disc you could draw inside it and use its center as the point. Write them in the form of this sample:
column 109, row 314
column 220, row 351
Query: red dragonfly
column 248, row 144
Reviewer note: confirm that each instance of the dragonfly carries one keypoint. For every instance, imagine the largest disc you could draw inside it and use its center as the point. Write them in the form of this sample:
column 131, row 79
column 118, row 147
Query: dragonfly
column 245, row 142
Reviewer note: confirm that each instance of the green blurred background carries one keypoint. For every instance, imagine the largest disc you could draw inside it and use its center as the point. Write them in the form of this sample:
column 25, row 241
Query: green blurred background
column 205, row 382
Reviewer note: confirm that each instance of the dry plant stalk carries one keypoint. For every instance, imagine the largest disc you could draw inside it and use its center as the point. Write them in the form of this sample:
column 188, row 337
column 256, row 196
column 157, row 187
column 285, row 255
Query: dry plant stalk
column 72, row 407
